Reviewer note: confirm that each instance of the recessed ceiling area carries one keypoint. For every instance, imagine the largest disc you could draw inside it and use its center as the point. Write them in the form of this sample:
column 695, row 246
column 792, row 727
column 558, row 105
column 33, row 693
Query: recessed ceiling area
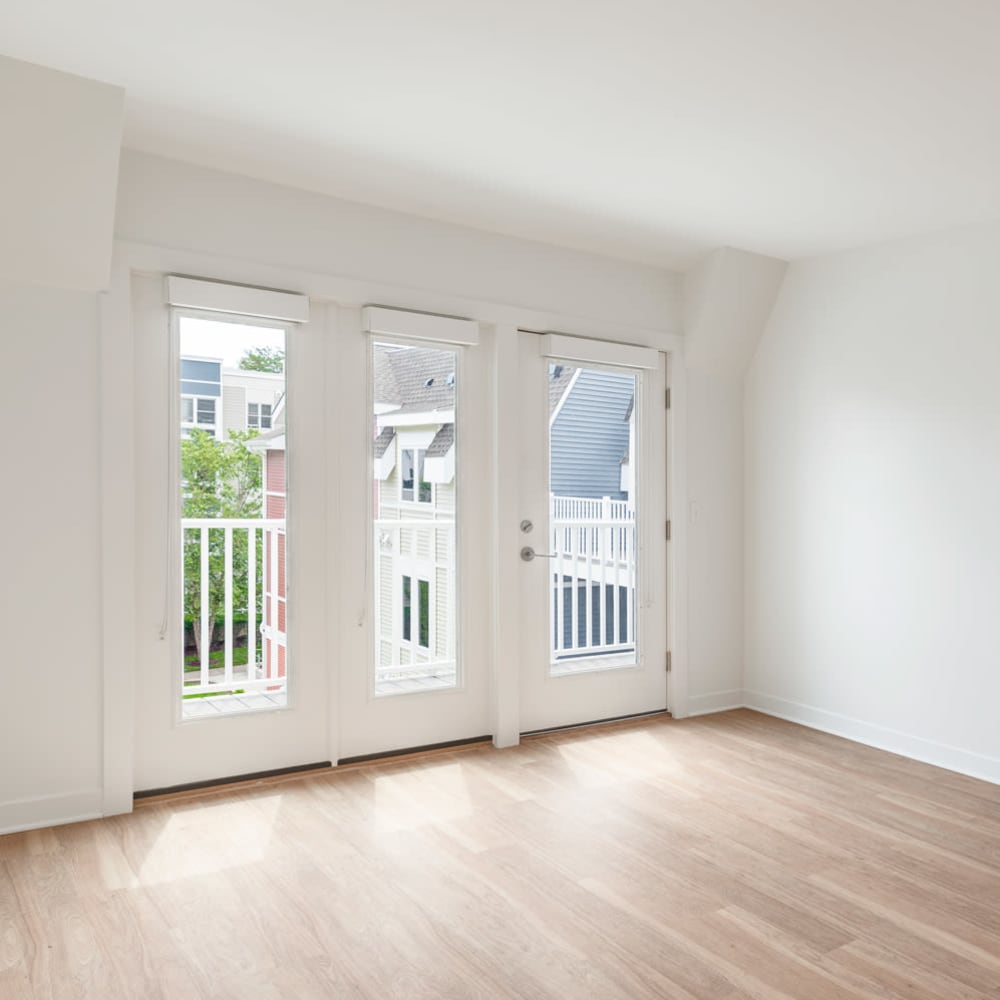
column 652, row 130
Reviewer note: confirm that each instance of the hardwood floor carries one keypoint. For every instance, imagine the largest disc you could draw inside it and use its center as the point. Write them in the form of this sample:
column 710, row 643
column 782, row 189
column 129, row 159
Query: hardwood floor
column 724, row 857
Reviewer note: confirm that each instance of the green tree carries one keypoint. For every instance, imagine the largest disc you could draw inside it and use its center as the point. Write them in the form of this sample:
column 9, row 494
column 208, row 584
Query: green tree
column 263, row 359
column 221, row 479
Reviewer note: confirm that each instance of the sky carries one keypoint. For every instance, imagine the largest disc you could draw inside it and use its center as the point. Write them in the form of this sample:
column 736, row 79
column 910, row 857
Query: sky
column 208, row 338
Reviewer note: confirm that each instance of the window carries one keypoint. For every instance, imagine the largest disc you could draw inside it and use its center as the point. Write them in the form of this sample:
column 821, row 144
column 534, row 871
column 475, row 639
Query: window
column 206, row 411
column 197, row 413
column 423, row 612
column 406, row 609
column 232, row 523
column 259, row 416
column 424, row 634
column 412, row 472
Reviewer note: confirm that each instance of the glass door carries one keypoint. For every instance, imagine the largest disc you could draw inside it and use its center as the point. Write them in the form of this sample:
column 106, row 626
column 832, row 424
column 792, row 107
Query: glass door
column 593, row 531
column 230, row 677
column 415, row 553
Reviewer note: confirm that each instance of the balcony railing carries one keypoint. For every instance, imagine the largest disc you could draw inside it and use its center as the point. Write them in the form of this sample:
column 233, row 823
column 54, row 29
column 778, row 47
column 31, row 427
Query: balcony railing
column 593, row 578
column 233, row 567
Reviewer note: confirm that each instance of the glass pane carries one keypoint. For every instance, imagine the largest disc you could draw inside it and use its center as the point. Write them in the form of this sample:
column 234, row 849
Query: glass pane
column 206, row 411
column 406, row 608
column 187, row 410
column 414, row 475
column 406, row 473
column 233, row 496
column 592, row 518
column 425, row 487
column 425, row 614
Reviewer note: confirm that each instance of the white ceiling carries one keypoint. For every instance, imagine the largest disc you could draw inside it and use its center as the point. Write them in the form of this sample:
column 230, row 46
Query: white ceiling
column 647, row 129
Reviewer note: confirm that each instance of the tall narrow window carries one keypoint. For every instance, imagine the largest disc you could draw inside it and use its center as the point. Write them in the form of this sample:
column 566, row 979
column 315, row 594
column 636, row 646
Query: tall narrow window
column 414, row 482
column 232, row 506
column 592, row 516
column 407, row 605
column 414, row 486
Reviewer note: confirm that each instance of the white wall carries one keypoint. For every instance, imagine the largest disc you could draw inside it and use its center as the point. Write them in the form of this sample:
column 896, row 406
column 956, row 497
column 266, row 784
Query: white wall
column 50, row 710
column 728, row 297
column 51, row 723
column 873, row 491
column 410, row 261
column 58, row 175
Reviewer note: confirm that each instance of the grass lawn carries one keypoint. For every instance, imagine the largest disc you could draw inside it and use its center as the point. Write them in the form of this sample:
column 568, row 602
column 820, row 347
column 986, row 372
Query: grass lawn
column 216, row 658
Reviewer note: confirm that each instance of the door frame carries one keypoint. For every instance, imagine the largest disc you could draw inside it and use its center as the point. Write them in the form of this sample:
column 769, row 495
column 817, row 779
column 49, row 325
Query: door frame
column 168, row 749
column 118, row 469
column 597, row 691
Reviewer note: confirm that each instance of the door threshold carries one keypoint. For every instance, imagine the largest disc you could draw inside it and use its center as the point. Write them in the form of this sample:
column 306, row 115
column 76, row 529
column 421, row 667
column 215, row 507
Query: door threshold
column 366, row 758
column 635, row 716
column 211, row 784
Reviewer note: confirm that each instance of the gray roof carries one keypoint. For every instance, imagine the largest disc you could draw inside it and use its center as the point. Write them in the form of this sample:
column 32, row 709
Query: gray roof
column 442, row 442
column 414, row 379
column 383, row 441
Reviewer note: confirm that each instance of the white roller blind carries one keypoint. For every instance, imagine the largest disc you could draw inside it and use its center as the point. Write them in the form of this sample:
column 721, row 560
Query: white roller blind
column 420, row 326
column 237, row 300
column 581, row 350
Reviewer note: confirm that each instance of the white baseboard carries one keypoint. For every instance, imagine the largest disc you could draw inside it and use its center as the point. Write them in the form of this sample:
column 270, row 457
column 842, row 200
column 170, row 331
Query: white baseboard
column 49, row 810
column 717, row 701
column 975, row 765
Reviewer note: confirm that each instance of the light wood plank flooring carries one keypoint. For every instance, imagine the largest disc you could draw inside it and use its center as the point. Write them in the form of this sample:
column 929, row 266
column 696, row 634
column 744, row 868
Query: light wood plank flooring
column 725, row 857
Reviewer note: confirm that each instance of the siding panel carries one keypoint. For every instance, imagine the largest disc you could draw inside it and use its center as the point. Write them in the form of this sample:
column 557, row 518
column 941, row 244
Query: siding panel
column 589, row 435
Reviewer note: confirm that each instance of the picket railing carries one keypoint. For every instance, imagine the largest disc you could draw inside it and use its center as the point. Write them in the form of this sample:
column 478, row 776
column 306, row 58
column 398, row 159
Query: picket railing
column 230, row 553
column 593, row 577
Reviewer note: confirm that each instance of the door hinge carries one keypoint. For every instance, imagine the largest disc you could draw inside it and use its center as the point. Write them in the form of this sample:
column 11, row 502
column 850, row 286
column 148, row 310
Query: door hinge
column 669, row 661
column 668, row 531
column 668, row 398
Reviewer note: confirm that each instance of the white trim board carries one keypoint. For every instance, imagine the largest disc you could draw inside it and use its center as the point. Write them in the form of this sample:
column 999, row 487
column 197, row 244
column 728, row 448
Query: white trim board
column 50, row 810
column 951, row 758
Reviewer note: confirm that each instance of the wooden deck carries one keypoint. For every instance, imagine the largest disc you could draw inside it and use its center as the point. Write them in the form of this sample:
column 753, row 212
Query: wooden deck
column 731, row 856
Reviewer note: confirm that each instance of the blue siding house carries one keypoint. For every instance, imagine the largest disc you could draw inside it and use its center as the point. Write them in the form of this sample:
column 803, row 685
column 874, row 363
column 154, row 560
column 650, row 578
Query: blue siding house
column 589, row 434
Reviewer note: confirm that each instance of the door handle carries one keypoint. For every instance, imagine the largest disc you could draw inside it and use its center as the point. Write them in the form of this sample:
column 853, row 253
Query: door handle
column 528, row 554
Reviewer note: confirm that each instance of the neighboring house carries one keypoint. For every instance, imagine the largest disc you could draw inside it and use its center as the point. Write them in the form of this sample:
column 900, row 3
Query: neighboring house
column 589, row 431
column 415, row 482
column 270, row 444
column 591, row 424
column 220, row 400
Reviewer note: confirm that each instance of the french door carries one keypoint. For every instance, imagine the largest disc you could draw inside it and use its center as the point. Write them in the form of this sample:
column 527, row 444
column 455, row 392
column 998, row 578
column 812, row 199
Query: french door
column 313, row 532
column 593, row 632
column 230, row 533
column 315, row 522
column 411, row 551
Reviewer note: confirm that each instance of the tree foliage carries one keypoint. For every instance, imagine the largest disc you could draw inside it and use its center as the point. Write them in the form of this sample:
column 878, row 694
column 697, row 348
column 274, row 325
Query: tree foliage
column 221, row 479
column 263, row 359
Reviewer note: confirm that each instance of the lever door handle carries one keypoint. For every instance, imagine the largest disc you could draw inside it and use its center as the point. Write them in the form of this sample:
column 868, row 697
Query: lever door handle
column 528, row 554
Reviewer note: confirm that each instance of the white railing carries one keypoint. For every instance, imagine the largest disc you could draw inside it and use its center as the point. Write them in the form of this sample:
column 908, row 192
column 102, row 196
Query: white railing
column 226, row 551
column 593, row 577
